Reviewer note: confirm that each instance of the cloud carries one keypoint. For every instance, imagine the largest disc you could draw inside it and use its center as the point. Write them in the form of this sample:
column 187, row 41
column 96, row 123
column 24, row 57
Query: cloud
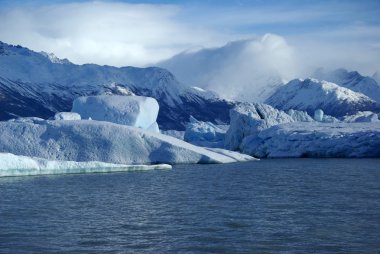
column 260, row 64
column 103, row 32
column 354, row 47
column 239, row 70
column 317, row 33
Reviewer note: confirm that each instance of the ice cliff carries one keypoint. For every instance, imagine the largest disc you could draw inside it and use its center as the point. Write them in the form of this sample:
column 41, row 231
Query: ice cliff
column 251, row 118
column 262, row 131
column 315, row 140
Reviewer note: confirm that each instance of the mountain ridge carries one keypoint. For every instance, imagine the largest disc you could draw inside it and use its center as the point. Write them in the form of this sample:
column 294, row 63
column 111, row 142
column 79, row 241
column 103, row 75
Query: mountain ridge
column 32, row 84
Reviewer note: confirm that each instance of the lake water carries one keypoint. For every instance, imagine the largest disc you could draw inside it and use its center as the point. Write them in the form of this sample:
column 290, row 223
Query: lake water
column 268, row 206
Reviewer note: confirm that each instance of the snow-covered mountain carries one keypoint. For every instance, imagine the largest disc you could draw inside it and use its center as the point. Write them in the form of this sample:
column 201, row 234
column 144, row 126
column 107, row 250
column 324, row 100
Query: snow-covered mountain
column 311, row 94
column 351, row 80
column 246, row 70
column 40, row 84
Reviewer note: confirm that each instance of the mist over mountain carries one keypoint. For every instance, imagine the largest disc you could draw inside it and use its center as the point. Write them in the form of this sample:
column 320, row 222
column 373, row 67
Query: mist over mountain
column 246, row 70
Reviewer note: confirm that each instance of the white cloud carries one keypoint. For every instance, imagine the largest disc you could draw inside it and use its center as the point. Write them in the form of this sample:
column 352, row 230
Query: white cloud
column 120, row 34
column 354, row 47
column 239, row 70
column 106, row 33
column 261, row 63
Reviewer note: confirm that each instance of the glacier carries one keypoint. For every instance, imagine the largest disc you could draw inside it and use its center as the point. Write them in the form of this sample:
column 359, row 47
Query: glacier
column 15, row 165
column 90, row 140
column 313, row 139
column 137, row 111
column 263, row 131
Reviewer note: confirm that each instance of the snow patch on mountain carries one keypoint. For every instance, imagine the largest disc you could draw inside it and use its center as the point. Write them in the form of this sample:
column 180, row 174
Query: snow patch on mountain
column 54, row 59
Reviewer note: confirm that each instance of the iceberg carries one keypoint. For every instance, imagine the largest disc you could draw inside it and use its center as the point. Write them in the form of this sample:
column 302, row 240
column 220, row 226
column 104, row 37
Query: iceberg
column 90, row 140
column 205, row 133
column 315, row 139
column 14, row 165
column 251, row 118
column 137, row 111
column 300, row 116
column 318, row 115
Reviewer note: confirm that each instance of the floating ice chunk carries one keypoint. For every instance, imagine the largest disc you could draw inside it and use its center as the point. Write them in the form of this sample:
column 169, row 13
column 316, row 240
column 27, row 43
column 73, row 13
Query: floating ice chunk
column 14, row 165
column 134, row 111
column 67, row 116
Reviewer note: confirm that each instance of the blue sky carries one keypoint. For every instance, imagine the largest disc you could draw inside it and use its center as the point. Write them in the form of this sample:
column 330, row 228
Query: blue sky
column 143, row 32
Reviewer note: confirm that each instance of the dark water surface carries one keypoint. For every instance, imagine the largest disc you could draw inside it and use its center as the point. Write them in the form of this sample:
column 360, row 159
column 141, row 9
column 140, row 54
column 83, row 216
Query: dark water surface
column 270, row 206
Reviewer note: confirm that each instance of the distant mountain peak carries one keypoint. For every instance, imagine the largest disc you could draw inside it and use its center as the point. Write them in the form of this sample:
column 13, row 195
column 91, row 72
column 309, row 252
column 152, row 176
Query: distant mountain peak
column 54, row 59
column 312, row 94
column 352, row 80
